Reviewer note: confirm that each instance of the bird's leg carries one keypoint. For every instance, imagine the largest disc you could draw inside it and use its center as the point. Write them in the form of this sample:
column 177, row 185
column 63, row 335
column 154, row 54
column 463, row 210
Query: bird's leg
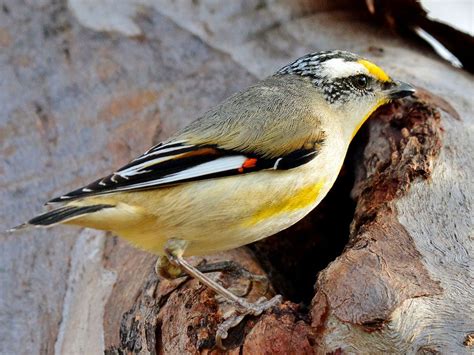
column 174, row 250
column 165, row 269
column 174, row 256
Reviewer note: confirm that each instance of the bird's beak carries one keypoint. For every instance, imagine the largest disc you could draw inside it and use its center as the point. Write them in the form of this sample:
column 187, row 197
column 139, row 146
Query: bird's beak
column 398, row 90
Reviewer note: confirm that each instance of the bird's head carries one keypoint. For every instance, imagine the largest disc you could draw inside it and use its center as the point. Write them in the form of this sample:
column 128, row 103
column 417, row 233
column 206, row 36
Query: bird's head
column 351, row 87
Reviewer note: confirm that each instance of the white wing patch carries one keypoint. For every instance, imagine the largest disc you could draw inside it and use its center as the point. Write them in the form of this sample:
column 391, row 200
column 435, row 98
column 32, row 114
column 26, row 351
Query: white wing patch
column 139, row 168
column 167, row 150
column 135, row 169
column 212, row 167
column 159, row 147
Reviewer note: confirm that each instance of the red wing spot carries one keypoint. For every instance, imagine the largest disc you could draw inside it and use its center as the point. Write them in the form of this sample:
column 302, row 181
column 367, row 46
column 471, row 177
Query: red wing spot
column 249, row 163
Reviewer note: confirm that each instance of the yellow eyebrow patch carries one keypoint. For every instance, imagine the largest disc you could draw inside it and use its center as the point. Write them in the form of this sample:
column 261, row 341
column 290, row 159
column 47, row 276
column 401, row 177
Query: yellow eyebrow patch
column 375, row 70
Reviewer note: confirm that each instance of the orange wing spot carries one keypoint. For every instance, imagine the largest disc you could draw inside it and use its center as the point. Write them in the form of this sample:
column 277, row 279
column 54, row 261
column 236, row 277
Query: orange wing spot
column 249, row 163
column 375, row 70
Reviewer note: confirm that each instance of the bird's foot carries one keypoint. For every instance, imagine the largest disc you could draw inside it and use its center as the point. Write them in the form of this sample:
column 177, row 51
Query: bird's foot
column 244, row 308
column 165, row 269
column 173, row 255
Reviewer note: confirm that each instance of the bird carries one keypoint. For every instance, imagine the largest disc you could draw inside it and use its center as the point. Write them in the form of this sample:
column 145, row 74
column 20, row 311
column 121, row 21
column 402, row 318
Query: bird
column 249, row 167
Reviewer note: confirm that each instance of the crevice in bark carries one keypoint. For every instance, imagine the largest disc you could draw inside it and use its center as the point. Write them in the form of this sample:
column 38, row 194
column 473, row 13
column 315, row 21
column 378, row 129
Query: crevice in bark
column 294, row 257
column 381, row 267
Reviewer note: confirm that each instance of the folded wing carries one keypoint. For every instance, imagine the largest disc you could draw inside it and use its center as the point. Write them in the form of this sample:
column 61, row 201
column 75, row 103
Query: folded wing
column 178, row 162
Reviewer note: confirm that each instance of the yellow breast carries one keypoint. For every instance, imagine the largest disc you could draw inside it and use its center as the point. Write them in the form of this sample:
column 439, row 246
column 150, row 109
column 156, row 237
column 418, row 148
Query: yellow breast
column 302, row 198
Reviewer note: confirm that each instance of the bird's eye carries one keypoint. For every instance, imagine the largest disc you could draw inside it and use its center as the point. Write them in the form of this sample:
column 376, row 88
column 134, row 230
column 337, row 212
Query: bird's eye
column 360, row 82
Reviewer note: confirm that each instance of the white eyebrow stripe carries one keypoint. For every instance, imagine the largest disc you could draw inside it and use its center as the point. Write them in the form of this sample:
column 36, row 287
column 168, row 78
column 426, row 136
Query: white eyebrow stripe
column 339, row 68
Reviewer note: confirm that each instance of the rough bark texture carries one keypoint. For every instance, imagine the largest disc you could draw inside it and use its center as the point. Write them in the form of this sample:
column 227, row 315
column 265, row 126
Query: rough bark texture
column 87, row 85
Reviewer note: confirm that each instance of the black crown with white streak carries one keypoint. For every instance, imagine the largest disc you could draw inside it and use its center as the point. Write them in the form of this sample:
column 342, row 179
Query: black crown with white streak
column 310, row 64
column 335, row 89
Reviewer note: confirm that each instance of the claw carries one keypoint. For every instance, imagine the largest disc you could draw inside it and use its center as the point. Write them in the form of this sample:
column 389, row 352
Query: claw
column 246, row 308
column 223, row 328
column 263, row 304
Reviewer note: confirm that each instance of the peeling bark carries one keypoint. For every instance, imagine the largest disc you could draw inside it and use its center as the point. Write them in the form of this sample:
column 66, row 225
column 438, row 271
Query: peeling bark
column 182, row 316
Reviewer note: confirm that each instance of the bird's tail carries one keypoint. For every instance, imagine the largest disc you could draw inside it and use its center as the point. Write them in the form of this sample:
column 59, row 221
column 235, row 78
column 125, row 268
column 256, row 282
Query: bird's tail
column 60, row 215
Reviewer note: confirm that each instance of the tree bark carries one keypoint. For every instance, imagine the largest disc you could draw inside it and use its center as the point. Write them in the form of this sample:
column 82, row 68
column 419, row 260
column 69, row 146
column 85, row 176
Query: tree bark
column 384, row 264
